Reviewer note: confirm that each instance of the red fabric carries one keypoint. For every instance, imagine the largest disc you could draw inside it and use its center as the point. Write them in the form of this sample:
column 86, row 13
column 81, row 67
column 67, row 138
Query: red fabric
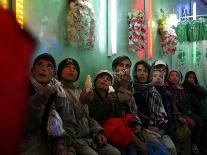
column 16, row 48
column 117, row 131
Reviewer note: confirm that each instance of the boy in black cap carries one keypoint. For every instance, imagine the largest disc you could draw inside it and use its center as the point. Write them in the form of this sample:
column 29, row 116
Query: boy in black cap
column 45, row 92
column 88, row 138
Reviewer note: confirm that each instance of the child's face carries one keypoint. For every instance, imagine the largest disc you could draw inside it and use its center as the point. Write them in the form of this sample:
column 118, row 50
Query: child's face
column 142, row 74
column 122, row 66
column 157, row 78
column 174, row 78
column 43, row 71
column 103, row 82
column 191, row 78
column 125, row 65
column 69, row 73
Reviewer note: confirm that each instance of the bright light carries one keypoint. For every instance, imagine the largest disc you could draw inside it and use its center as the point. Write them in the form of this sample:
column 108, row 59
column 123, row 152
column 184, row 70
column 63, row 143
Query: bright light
column 172, row 20
column 4, row 4
column 150, row 50
column 112, row 31
column 194, row 43
column 102, row 30
column 194, row 10
column 19, row 12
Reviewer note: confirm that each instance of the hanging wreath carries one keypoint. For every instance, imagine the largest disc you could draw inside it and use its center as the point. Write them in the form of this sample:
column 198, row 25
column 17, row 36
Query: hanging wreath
column 81, row 23
column 137, row 30
column 168, row 35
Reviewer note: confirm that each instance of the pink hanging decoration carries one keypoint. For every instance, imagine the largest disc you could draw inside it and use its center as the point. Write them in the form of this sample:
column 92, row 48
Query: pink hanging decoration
column 169, row 42
column 137, row 30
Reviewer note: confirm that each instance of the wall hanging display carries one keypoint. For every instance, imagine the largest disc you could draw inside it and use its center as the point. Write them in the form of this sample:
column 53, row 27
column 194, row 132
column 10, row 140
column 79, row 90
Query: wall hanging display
column 192, row 30
column 137, row 30
column 81, row 23
column 168, row 35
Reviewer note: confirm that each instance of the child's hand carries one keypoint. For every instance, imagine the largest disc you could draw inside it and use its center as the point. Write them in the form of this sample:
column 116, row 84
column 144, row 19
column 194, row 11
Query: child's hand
column 47, row 91
column 124, row 96
column 86, row 97
column 59, row 149
column 111, row 98
column 182, row 120
column 101, row 139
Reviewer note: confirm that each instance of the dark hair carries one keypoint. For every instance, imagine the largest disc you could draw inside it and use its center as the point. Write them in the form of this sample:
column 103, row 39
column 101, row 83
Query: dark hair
column 119, row 59
column 45, row 56
column 187, row 75
column 145, row 64
column 65, row 62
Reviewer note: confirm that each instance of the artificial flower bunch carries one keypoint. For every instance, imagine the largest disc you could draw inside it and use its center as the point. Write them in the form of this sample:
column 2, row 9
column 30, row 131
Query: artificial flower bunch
column 137, row 30
column 168, row 35
column 169, row 42
column 81, row 23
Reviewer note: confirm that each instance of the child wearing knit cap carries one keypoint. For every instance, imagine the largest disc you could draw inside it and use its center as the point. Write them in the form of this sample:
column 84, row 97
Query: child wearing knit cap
column 46, row 96
column 88, row 137
column 107, row 109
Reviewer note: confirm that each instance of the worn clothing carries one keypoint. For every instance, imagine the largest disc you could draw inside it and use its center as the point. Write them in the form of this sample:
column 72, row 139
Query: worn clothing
column 168, row 105
column 149, row 103
column 81, row 127
column 149, row 99
column 197, row 95
column 36, row 140
column 181, row 107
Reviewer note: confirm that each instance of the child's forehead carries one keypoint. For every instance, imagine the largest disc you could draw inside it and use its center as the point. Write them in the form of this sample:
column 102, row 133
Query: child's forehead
column 157, row 71
column 44, row 61
column 104, row 74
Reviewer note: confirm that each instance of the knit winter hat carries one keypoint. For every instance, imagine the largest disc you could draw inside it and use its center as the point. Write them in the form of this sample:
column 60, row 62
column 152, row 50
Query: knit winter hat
column 119, row 59
column 66, row 62
column 101, row 72
column 45, row 56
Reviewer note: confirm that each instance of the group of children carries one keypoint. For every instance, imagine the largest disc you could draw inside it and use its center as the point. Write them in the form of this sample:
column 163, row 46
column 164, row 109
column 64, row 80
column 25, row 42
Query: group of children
column 150, row 113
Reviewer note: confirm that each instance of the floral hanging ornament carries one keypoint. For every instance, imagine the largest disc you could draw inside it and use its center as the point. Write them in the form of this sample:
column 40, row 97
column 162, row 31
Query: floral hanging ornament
column 169, row 42
column 137, row 30
column 81, row 23
column 168, row 35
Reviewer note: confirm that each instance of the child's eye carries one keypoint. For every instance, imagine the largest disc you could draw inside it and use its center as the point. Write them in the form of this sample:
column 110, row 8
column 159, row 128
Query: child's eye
column 50, row 67
column 40, row 65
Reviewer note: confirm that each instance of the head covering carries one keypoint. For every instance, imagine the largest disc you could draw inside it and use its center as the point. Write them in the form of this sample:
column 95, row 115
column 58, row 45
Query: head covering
column 145, row 64
column 66, row 62
column 45, row 56
column 187, row 75
column 174, row 70
column 101, row 72
column 119, row 59
column 159, row 62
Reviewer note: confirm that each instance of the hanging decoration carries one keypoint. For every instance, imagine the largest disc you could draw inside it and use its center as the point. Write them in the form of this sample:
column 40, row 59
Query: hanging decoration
column 137, row 30
column 81, row 23
column 168, row 35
